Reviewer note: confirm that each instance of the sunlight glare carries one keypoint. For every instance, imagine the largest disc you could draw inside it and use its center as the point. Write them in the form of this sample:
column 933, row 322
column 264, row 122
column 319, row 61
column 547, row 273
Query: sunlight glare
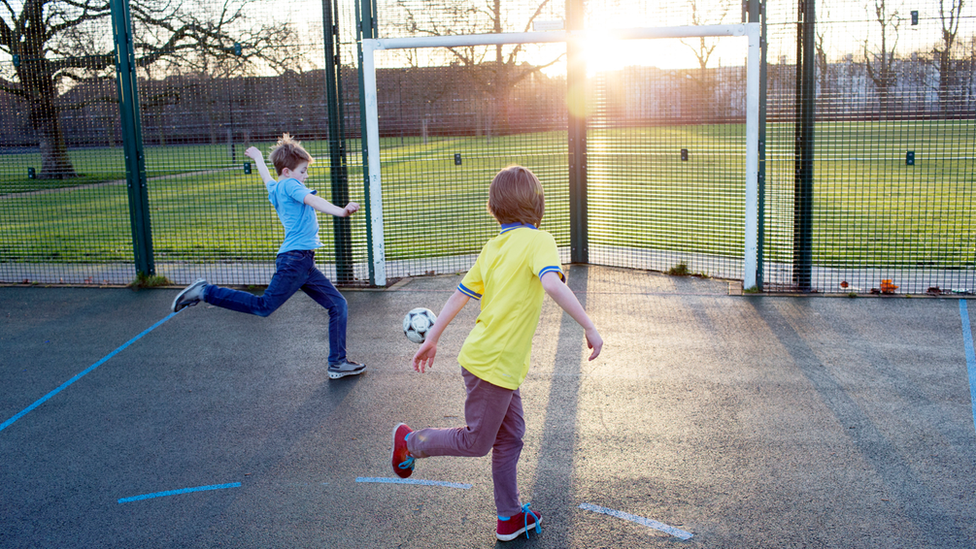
column 605, row 53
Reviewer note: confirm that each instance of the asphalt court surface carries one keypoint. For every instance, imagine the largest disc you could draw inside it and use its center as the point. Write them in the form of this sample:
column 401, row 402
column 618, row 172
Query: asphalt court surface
column 743, row 421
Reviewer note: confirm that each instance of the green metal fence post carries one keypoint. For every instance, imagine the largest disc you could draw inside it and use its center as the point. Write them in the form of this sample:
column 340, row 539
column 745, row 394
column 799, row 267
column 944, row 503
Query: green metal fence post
column 803, row 186
column 135, row 159
column 337, row 142
column 576, row 100
column 757, row 14
column 365, row 28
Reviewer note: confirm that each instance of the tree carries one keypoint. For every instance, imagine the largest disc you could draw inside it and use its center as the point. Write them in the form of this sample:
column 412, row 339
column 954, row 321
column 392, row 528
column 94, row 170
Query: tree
column 823, row 66
column 58, row 43
column 495, row 77
column 703, row 48
column 950, row 28
column 880, row 63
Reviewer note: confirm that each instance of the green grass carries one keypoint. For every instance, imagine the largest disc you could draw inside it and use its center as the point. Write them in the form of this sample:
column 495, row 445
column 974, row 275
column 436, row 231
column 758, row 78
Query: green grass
column 870, row 209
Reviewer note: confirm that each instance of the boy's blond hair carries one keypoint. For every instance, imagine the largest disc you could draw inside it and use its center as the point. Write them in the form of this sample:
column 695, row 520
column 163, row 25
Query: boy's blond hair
column 515, row 196
column 289, row 153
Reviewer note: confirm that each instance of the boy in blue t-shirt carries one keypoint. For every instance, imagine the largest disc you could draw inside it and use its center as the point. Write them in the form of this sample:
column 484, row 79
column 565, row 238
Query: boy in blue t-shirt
column 510, row 278
column 295, row 266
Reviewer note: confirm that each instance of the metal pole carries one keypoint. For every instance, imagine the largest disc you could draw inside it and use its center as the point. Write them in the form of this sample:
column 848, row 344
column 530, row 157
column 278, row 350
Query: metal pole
column 338, row 169
column 576, row 101
column 365, row 30
column 135, row 159
column 371, row 148
column 757, row 14
column 751, row 256
column 804, row 151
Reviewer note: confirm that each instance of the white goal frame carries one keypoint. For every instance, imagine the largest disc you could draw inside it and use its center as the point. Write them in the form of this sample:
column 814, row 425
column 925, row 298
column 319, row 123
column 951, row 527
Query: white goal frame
column 748, row 30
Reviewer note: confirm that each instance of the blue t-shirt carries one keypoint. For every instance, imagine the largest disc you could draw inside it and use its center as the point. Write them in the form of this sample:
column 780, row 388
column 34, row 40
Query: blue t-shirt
column 299, row 219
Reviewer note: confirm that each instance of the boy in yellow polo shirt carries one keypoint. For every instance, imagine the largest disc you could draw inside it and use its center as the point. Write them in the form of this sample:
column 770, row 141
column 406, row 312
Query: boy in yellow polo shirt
column 509, row 278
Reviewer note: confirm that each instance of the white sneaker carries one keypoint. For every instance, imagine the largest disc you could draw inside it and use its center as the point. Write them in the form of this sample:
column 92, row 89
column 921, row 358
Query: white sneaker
column 191, row 295
column 345, row 368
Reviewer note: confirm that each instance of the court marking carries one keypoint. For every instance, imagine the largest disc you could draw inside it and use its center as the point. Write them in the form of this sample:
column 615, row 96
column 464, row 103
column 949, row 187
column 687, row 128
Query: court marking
column 65, row 385
column 671, row 530
column 967, row 342
column 180, row 491
column 421, row 482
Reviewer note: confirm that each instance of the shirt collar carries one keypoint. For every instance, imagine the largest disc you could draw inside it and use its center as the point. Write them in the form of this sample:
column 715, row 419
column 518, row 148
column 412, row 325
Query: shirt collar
column 509, row 226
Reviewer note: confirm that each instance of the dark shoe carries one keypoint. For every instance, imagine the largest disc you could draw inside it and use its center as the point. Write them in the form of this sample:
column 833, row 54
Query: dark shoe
column 190, row 296
column 345, row 368
column 400, row 458
column 513, row 527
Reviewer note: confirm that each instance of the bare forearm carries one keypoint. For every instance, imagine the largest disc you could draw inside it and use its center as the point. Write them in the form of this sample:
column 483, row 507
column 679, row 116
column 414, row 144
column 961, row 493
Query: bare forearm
column 454, row 304
column 255, row 154
column 264, row 172
column 424, row 358
column 566, row 299
column 324, row 206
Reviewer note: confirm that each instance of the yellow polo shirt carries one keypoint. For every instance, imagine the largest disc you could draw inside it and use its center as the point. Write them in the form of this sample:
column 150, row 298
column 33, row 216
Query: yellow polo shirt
column 506, row 280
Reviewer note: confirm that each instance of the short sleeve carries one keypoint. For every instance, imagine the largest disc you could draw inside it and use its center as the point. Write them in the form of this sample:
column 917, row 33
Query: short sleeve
column 473, row 283
column 296, row 190
column 546, row 256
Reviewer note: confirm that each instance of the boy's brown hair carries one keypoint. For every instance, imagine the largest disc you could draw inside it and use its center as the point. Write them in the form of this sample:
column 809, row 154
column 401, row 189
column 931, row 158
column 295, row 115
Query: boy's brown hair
column 289, row 153
column 515, row 195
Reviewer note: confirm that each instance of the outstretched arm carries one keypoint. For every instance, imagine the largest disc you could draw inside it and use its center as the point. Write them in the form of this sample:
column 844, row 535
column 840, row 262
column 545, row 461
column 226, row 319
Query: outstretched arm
column 255, row 154
column 325, row 206
column 566, row 299
column 424, row 358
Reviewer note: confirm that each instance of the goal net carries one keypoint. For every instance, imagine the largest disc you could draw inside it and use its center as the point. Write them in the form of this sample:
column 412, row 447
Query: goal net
column 434, row 137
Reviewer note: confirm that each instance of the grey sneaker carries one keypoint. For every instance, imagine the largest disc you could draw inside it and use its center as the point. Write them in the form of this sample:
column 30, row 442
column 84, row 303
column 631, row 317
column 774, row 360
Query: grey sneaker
column 191, row 295
column 345, row 368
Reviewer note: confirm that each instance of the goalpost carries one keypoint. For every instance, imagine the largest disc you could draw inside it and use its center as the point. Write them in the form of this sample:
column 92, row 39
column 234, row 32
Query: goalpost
column 751, row 31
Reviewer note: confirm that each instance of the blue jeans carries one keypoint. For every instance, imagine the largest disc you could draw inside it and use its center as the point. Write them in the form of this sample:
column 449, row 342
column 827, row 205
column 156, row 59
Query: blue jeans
column 294, row 270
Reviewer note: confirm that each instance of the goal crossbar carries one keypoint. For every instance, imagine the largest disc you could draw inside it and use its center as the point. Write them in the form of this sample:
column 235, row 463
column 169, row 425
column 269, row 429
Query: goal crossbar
column 747, row 30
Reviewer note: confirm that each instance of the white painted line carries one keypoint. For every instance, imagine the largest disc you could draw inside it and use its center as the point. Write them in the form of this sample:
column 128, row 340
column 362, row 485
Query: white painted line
column 671, row 530
column 388, row 480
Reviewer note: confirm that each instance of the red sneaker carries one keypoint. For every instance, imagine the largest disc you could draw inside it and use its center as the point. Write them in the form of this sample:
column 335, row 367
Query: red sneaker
column 400, row 458
column 513, row 527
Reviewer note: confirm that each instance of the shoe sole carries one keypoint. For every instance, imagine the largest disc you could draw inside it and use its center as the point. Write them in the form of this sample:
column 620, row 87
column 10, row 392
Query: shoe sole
column 339, row 375
column 510, row 537
column 393, row 449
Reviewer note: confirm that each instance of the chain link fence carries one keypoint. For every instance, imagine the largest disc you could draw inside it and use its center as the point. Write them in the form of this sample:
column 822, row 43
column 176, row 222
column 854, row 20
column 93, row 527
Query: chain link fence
column 868, row 140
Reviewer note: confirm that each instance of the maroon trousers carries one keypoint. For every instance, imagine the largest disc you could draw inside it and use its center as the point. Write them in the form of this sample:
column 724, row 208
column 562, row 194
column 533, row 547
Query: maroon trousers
column 494, row 423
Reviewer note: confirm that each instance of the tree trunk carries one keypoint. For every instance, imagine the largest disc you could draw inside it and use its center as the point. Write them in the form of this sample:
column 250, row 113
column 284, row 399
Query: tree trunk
column 46, row 121
column 944, row 80
column 55, row 163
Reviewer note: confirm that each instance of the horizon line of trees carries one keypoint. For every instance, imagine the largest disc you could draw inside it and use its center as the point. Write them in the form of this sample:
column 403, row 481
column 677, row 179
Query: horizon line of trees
column 440, row 101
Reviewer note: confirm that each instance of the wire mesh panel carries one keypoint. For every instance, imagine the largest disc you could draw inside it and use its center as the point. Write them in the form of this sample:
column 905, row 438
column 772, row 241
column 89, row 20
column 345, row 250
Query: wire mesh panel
column 212, row 78
column 263, row 77
column 666, row 163
column 869, row 142
column 893, row 141
column 412, row 18
column 446, row 129
column 63, row 205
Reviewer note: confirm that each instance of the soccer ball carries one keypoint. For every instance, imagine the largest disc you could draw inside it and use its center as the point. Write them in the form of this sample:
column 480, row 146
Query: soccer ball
column 417, row 323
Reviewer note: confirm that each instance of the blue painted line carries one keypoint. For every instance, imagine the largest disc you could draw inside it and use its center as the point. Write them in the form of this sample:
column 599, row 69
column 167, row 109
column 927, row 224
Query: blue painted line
column 387, row 480
column 671, row 530
column 65, row 385
column 180, row 491
column 967, row 341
